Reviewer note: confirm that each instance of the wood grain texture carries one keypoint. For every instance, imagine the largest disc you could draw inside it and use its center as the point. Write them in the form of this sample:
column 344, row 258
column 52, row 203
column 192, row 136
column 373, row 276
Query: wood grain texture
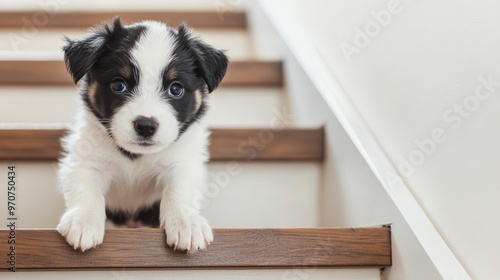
column 87, row 19
column 254, row 73
column 53, row 73
column 267, row 144
column 242, row 248
column 226, row 144
column 29, row 144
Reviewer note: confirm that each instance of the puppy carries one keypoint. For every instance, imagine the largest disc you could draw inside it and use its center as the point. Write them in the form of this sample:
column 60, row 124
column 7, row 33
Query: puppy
column 138, row 150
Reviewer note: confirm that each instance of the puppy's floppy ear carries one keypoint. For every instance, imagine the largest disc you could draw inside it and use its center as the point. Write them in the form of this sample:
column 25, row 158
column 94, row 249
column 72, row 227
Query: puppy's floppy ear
column 81, row 54
column 211, row 63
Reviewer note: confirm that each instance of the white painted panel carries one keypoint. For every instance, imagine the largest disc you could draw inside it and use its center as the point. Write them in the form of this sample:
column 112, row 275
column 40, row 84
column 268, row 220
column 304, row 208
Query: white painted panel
column 257, row 195
column 263, row 195
column 242, row 274
column 246, row 107
column 63, row 5
column 38, row 202
column 229, row 107
column 38, row 104
column 236, row 42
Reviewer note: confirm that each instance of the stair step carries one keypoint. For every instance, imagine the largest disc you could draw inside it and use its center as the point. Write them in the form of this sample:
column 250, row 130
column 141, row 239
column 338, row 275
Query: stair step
column 86, row 19
column 53, row 73
column 241, row 248
column 226, row 144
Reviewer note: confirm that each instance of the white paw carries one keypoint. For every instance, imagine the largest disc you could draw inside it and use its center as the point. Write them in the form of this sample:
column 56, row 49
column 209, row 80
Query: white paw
column 82, row 228
column 187, row 232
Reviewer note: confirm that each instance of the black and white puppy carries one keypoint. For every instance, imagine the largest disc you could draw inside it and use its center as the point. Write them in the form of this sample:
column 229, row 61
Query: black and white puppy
column 138, row 150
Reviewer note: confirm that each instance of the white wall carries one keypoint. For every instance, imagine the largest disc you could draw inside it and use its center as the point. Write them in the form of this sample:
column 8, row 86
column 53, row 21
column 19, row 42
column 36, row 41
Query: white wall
column 408, row 81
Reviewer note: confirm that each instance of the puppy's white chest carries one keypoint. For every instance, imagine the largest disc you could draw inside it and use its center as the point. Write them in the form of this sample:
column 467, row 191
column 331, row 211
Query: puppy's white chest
column 134, row 185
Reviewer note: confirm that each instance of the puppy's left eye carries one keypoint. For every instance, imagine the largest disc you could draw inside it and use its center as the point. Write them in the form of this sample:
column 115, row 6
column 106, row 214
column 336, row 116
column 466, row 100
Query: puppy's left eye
column 118, row 85
column 176, row 90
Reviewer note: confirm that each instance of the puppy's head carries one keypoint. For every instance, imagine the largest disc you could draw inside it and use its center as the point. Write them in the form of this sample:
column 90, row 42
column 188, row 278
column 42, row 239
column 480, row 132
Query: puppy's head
column 146, row 82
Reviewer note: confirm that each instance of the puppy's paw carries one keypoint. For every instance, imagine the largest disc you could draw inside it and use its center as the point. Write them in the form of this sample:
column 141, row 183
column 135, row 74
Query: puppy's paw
column 188, row 232
column 82, row 229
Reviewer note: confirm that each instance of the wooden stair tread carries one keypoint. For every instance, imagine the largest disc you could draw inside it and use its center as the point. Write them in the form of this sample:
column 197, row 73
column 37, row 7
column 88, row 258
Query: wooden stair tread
column 87, row 19
column 48, row 72
column 226, row 144
column 250, row 248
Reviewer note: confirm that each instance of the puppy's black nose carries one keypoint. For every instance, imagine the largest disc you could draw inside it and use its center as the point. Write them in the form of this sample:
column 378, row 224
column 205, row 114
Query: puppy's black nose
column 145, row 127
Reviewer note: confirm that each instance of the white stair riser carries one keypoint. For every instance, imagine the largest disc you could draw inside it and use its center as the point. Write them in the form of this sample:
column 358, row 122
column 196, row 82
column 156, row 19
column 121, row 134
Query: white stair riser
column 263, row 195
column 218, row 274
column 236, row 42
column 229, row 107
column 256, row 195
column 219, row 6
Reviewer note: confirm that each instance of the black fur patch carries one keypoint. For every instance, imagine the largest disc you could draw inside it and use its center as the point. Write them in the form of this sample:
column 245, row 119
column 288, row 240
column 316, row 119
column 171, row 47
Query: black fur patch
column 112, row 60
column 210, row 63
column 148, row 216
column 128, row 154
column 197, row 66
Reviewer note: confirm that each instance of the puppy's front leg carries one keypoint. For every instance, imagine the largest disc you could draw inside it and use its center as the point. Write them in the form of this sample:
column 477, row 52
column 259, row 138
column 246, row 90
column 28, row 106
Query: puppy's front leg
column 185, row 228
column 83, row 221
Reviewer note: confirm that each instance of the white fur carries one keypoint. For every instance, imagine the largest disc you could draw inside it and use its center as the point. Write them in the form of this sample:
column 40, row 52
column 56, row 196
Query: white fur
column 94, row 174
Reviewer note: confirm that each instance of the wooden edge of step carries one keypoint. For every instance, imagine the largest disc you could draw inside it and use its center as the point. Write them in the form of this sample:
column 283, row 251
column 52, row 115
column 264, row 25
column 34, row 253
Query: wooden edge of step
column 290, row 144
column 232, row 248
column 39, row 19
column 49, row 72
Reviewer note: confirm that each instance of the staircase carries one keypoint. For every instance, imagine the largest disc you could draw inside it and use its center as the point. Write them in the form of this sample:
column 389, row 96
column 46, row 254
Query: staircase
column 264, row 172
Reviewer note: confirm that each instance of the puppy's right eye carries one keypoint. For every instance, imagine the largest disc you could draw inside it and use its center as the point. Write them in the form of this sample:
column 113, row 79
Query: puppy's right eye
column 176, row 90
column 118, row 85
